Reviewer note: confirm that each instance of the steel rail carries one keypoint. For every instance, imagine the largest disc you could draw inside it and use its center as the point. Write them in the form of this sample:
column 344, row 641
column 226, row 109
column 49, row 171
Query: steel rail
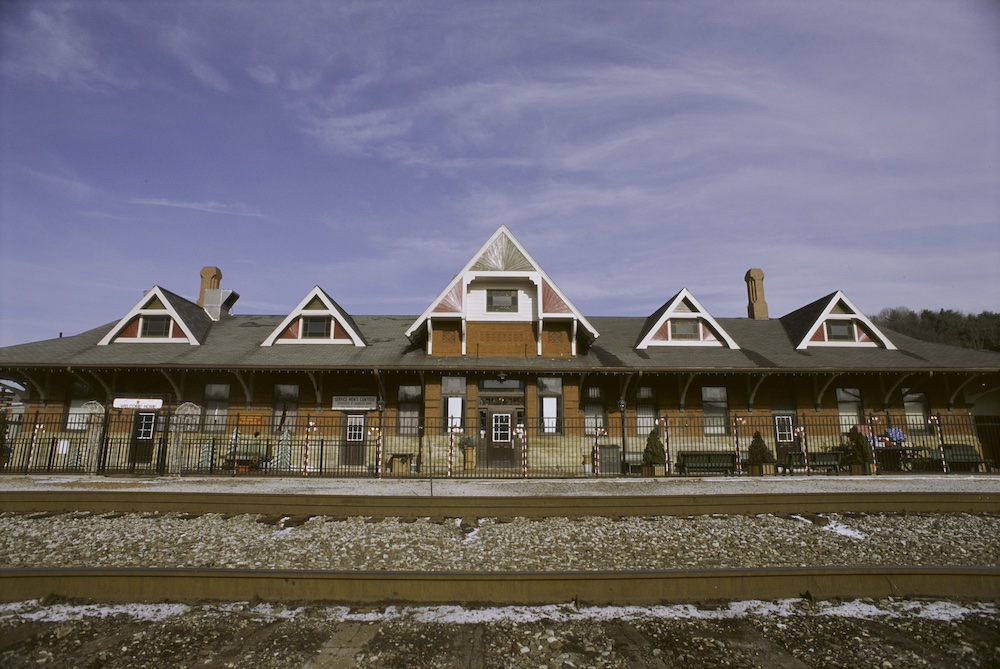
column 500, row 588
column 105, row 501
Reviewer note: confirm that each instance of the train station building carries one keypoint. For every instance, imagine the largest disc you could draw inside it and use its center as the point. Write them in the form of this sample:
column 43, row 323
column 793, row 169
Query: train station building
column 501, row 375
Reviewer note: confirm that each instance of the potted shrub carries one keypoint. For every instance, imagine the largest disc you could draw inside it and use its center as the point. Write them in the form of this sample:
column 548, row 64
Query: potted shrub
column 759, row 457
column 468, row 446
column 654, row 459
column 859, row 452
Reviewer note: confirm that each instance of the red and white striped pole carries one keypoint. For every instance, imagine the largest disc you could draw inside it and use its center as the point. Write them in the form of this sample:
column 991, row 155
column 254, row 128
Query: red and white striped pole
column 378, row 449
column 936, row 422
column 451, row 450
column 39, row 427
column 666, row 444
column 598, row 431
column 738, row 422
column 305, row 449
column 524, row 450
column 801, row 432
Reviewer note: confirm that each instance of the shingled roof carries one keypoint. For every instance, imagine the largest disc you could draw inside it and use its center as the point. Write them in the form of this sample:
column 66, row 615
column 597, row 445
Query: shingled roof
column 235, row 343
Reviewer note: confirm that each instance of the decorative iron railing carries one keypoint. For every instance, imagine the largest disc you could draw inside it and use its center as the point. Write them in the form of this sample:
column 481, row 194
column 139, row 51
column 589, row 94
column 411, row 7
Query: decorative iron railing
column 342, row 445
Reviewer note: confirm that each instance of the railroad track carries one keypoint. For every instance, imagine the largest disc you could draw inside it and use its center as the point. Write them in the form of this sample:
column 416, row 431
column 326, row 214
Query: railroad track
column 105, row 501
column 584, row 587
column 525, row 588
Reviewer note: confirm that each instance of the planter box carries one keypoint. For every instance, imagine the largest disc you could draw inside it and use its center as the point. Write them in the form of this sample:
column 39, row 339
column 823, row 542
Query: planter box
column 767, row 469
column 654, row 470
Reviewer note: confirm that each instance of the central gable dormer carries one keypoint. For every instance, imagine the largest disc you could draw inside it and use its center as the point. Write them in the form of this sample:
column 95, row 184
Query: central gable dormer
column 682, row 321
column 502, row 304
column 317, row 319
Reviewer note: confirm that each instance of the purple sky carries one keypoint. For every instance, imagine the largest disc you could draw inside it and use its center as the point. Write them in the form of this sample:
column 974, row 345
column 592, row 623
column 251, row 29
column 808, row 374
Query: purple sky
column 370, row 148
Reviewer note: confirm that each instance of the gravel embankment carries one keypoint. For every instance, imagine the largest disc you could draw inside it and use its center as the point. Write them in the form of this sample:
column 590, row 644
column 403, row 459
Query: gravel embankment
column 883, row 634
column 258, row 542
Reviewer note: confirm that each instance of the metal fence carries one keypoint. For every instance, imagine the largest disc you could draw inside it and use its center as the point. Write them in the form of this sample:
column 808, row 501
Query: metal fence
column 485, row 446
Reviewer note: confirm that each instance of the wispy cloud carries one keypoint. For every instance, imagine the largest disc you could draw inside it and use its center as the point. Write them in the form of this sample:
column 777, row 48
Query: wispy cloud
column 231, row 209
column 68, row 185
column 49, row 45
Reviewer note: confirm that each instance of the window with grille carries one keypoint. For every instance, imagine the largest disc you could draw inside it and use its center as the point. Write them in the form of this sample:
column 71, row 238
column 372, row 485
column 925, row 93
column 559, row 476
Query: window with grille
column 849, row 408
column 409, row 410
column 216, row 406
column 356, row 427
column 155, row 326
column 715, row 409
column 550, row 396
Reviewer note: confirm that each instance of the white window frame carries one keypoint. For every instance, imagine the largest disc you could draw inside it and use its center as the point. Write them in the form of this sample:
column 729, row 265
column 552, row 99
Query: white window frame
column 677, row 335
column 784, row 429
column 502, row 428
column 146, row 429
column 716, row 420
column 146, row 320
column 216, row 414
column 550, row 415
column 851, row 336
column 355, row 427
column 455, row 413
column 850, row 409
column 493, row 293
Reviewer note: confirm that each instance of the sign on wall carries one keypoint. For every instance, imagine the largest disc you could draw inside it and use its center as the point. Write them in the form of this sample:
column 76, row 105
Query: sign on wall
column 136, row 403
column 354, row 402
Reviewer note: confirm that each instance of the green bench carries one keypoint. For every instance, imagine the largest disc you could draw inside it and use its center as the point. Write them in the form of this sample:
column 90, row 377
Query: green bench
column 963, row 457
column 706, row 462
column 831, row 461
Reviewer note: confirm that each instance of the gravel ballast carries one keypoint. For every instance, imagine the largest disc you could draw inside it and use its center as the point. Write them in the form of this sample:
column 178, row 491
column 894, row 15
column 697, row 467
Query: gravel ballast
column 490, row 544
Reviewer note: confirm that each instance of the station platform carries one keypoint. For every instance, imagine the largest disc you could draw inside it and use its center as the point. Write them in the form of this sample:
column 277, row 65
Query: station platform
column 458, row 487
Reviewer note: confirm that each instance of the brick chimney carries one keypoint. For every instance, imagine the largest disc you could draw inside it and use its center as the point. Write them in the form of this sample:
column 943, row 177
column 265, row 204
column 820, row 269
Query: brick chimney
column 215, row 301
column 211, row 279
column 756, row 306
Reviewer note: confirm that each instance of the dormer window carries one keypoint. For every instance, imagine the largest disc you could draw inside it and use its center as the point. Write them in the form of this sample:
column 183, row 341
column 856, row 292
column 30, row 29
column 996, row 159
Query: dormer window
column 682, row 321
column 155, row 327
column 839, row 330
column 316, row 320
column 685, row 328
column 316, row 327
column 501, row 301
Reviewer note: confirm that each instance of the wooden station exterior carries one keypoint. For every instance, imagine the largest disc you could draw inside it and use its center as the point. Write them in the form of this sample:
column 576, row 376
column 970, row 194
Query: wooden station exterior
column 501, row 375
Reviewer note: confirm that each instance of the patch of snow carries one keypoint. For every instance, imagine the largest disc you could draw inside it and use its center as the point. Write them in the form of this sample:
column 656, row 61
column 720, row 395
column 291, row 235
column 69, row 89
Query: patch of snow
column 454, row 614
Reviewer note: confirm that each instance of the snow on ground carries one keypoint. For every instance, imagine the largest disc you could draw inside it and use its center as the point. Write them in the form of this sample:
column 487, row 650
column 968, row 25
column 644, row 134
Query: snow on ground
column 948, row 611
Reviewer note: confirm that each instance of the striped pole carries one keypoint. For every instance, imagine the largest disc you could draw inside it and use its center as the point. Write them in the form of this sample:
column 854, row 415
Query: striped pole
column 524, row 450
column 801, row 432
column 737, row 423
column 873, row 441
column 666, row 443
column 451, row 451
column 598, row 431
column 378, row 450
column 39, row 427
column 305, row 449
column 935, row 420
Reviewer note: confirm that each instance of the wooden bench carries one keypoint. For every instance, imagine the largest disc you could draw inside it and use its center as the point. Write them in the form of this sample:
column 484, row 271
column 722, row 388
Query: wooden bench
column 400, row 463
column 246, row 462
column 831, row 461
column 706, row 462
column 966, row 457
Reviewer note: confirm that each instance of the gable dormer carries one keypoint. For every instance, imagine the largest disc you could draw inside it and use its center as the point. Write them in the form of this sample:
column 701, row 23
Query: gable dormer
column 160, row 317
column 318, row 319
column 682, row 321
column 501, row 304
column 833, row 321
